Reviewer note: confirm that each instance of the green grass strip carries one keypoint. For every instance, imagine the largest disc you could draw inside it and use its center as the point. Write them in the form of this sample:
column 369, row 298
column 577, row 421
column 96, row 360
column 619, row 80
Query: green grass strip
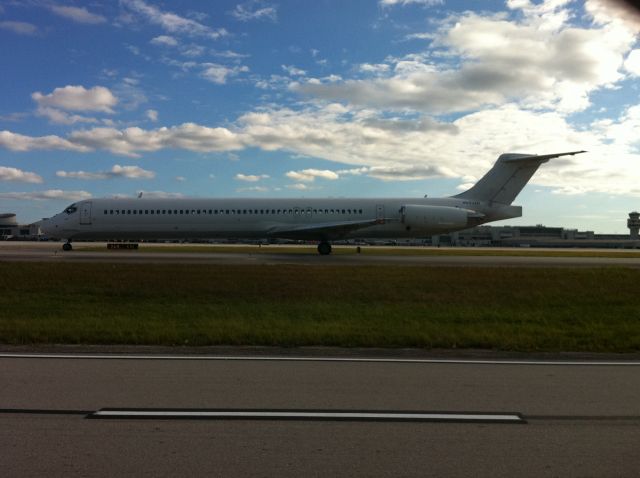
column 519, row 309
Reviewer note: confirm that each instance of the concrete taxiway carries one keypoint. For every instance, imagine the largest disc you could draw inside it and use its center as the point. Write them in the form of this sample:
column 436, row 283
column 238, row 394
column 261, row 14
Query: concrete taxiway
column 51, row 252
column 582, row 417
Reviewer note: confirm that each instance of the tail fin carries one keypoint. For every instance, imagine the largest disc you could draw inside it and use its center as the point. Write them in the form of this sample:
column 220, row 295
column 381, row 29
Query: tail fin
column 504, row 181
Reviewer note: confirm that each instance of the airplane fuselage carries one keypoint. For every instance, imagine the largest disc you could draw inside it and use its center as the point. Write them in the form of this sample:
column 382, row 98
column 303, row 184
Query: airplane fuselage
column 104, row 219
column 320, row 219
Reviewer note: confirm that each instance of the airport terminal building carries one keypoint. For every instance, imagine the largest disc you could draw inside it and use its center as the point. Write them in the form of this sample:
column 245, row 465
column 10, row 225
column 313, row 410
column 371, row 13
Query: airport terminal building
column 541, row 236
column 11, row 230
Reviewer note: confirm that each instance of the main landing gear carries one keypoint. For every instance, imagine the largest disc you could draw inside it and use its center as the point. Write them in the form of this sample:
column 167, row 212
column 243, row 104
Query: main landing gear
column 324, row 248
column 67, row 246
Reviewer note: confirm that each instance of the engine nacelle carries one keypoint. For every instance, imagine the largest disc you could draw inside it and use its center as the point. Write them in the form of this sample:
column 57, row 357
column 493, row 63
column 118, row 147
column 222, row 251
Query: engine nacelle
column 435, row 218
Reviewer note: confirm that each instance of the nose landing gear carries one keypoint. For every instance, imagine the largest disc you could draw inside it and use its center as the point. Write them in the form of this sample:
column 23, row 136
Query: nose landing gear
column 324, row 248
column 67, row 246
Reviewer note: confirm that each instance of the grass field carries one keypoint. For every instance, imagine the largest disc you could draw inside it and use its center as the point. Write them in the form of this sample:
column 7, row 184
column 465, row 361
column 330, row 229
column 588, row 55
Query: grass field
column 527, row 309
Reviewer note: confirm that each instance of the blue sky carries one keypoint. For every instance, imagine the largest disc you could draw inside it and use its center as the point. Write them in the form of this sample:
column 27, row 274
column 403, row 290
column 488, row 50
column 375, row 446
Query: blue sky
column 323, row 98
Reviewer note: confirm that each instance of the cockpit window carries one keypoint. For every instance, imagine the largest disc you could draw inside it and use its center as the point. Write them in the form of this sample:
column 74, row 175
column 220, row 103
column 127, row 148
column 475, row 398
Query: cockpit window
column 71, row 209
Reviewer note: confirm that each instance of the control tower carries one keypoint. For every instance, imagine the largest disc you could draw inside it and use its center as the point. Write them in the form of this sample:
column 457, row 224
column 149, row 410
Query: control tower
column 633, row 223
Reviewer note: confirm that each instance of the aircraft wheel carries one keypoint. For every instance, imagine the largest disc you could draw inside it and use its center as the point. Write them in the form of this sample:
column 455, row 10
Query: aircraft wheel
column 324, row 248
column 67, row 246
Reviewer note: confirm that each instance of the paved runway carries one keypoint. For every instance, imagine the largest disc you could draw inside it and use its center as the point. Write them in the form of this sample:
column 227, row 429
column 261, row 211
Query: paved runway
column 582, row 419
column 34, row 252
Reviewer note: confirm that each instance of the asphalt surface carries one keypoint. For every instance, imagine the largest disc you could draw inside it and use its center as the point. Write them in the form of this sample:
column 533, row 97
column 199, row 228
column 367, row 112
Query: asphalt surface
column 38, row 252
column 582, row 419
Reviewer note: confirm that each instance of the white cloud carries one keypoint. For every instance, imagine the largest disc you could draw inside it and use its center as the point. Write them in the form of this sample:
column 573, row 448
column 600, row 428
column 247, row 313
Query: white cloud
column 78, row 98
column 396, row 173
column 256, row 189
column 373, row 68
column 15, row 174
column 420, row 36
column 309, row 175
column 399, row 147
column 541, row 61
column 193, row 50
column 298, row 186
column 251, row 178
column 21, row 28
column 130, row 141
column 62, row 117
column 152, row 115
column 229, row 54
column 47, row 195
column 117, row 171
column 180, row 179
column 293, row 71
column 254, row 10
column 632, row 63
column 78, row 14
column 172, row 22
column 615, row 11
column 19, row 142
column 218, row 74
column 164, row 40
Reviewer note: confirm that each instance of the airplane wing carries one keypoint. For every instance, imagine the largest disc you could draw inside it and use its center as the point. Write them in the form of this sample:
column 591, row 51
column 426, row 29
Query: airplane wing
column 541, row 157
column 322, row 231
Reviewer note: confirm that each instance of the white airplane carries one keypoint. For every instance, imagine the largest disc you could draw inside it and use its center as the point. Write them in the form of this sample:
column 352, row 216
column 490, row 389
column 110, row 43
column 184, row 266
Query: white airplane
column 322, row 220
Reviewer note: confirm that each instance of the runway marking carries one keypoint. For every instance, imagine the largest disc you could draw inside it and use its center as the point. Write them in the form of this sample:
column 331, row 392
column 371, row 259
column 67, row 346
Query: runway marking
column 322, row 359
column 40, row 411
column 324, row 415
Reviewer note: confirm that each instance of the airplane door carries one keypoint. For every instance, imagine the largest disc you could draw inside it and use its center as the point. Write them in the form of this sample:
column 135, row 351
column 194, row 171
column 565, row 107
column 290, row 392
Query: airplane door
column 85, row 213
column 380, row 212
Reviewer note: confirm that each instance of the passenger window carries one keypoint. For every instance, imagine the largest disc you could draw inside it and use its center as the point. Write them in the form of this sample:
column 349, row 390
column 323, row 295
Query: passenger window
column 105, row 211
column 111, row 211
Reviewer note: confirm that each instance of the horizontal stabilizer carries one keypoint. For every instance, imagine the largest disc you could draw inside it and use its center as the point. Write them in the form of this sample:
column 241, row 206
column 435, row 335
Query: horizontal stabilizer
column 538, row 157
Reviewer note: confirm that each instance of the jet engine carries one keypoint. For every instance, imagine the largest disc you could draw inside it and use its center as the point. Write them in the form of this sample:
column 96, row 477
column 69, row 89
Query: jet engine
column 435, row 218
